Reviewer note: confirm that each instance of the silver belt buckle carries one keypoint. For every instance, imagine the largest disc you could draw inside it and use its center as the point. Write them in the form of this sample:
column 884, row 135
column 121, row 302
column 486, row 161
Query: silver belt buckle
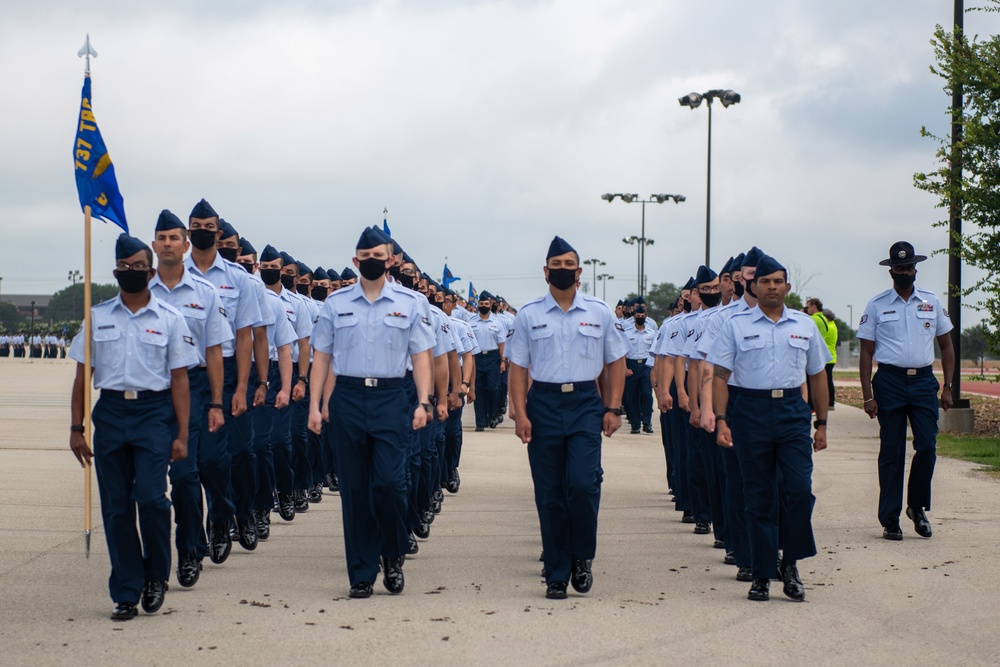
column 371, row 382
column 911, row 371
column 566, row 388
column 130, row 394
column 777, row 393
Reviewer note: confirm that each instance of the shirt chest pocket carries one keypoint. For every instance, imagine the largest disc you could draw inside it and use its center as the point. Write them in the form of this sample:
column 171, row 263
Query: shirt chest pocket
column 798, row 351
column 542, row 342
column 889, row 322
column 153, row 349
column 753, row 352
column 345, row 332
column 588, row 343
column 396, row 329
column 195, row 319
column 925, row 322
column 108, row 352
column 229, row 297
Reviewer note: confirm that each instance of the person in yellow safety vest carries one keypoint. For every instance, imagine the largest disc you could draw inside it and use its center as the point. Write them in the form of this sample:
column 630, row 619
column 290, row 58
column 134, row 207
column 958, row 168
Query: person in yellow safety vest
column 825, row 322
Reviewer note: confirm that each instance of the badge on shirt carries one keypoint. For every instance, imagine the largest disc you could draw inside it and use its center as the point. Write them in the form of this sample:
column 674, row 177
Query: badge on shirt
column 673, row 334
column 422, row 319
column 799, row 337
column 510, row 333
column 226, row 287
column 344, row 314
column 927, row 325
column 403, row 316
column 222, row 311
column 194, row 306
column 698, row 337
column 153, row 331
column 925, row 307
column 618, row 325
column 590, row 324
column 864, row 318
column 106, row 326
column 189, row 340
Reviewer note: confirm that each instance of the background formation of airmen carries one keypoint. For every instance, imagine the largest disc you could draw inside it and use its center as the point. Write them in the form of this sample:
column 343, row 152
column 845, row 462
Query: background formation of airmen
column 253, row 382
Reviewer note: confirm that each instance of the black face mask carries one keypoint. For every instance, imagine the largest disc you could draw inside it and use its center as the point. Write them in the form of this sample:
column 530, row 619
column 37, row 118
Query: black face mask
column 562, row 279
column 484, row 310
column 711, row 300
column 439, row 304
column 372, row 268
column 302, row 288
column 903, row 281
column 132, row 282
column 394, row 271
column 318, row 293
column 247, row 265
column 229, row 253
column 288, row 282
column 270, row 276
column 640, row 320
column 202, row 239
column 738, row 290
column 687, row 306
column 406, row 281
column 750, row 289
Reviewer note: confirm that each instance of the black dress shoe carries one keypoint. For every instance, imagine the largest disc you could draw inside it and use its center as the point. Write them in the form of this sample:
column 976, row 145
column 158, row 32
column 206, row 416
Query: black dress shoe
column 220, row 545
column 188, row 570
column 286, row 507
column 435, row 506
column 247, row 534
column 429, row 517
column 479, row 429
column 582, row 577
column 263, row 526
column 647, row 428
column 541, row 556
column 423, row 531
column 315, row 494
column 920, row 522
column 556, row 590
column 702, row 528
column 334, row 483
column 362, row 590
column 413, row 546
column 730, row 558
column 153, row 593
column 634, row 431
column 454, row 482
column 760, row 590
column 718, row 544
column 392, row 575
column 687, row 517
column 124, row 611
column 893, row 532
column 301, row 501
column 744, row 574
column 789, row 573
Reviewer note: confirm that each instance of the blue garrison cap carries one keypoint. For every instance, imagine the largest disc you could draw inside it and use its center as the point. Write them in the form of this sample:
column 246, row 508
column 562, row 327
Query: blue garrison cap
column 227, row 229
column 303, row 269
column 320, row 274
column 727, row 267
column 768, row 265
column 689, row 284
column 371, row 237
column 673, row 304
column 126, row 246
column 331, row 274
column 396, row 248
column 286, row 259
column 484, row 295
column 620, row 303
column 348, row 274
column 203, row 210
column 637, row 300
column 559, row 247
column 640, row 308
column 381, row 232
column 752, row 257
column 168, row 221
column 269, row 254
column 737, row 263
column 246, row 248
column 705, row 275
column 407, row 259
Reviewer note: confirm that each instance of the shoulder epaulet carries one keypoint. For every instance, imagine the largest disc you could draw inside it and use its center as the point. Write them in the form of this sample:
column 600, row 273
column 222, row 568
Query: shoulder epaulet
column 533, row 302
column 167, row 307
column 882, row 294
column 203, row 281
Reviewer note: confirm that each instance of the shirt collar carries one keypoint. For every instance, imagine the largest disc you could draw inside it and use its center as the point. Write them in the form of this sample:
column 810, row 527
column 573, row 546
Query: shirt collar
column 550, row 302
column 757, row 314
column 186, row 280
column 358, row 292
column 153, row 306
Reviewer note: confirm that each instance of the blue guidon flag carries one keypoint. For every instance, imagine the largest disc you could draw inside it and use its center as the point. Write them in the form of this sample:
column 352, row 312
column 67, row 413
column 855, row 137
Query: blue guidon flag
column 473, row 294
column 95, row 175
column 447, row 278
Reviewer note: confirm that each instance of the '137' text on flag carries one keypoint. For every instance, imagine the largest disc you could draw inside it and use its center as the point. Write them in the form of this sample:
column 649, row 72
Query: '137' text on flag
column 95, row 175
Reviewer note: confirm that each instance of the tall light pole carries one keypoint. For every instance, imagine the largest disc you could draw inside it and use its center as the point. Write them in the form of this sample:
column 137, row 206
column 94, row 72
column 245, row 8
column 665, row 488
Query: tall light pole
column 74, row 275
column 604, row 278
column 955, row 218
column 641, row 239
column 693, row 100
column 850, row 309
column 594, row 263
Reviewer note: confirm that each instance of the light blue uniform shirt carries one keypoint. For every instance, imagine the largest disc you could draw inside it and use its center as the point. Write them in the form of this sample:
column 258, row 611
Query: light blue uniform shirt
column 640, row 342
column 372, row 339
column 566, row 347
column 673, row 346
column 279, row 331
column 299, row 316
column 904, row 332
column 198, row 301
column 700, row 323
column 136, row 351
column 489, row 332
column 770, row 355
column 443, row 340
column 468, row 339
column 238, row 296
column 719, row 317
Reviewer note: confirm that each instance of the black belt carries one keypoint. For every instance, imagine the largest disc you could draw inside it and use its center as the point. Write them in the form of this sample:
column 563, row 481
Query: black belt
column 133, row 395
column 370, row 383
column 899, row 370
column 635, row 361
column 565, row 388
column 488, row 353
column 767, row 393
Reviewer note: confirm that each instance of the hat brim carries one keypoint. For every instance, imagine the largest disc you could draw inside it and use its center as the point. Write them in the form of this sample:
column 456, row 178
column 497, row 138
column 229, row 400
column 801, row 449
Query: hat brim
column 899, row 262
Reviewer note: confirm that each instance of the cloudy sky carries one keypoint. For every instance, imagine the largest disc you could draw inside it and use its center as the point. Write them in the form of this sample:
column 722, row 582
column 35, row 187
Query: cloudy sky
column 486, row 128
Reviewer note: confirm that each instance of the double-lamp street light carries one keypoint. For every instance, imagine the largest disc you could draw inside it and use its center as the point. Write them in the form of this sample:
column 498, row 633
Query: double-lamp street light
column 693, row 101
column 604, row 278
column 641, row 240
column 594, row 263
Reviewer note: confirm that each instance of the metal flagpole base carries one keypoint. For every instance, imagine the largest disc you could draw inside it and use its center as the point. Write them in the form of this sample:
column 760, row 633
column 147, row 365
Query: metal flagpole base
column 86, row 540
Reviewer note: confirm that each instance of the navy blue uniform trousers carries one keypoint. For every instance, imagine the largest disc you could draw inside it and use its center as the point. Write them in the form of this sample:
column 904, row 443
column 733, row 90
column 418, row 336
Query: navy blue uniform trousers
column 281, row 444
column 242, row 449
column 132, row 443
column 902, row 397
column 185, row 483
column 453, row 441
column 565, row 458
column 638, row 393
column 215, row 462
column 772, row 437
column 371, row 427
column 263, row 424
column 487, row 404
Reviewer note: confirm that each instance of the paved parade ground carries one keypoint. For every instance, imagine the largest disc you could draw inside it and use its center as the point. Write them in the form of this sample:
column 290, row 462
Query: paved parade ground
column 473, row 593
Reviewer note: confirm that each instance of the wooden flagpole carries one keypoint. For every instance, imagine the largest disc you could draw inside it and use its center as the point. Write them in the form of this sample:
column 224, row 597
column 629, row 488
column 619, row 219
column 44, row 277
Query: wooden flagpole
column 88, row 427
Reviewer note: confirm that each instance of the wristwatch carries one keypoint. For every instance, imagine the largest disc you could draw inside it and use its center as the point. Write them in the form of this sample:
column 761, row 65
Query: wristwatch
column 947, row 385
column 615, row 411
column 216, row 406
column 720, row 418
column 304, row 379
column 264, row 384
column 428, row 408
column 76, row 428
column 819, row 422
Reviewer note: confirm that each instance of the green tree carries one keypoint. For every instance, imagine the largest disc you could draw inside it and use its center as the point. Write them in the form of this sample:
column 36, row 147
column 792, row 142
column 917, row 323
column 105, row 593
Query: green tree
column 9, row 317
column 794, row 301
column 975, row 67
column 67, row 303
column 976, row 343
column 844, row 331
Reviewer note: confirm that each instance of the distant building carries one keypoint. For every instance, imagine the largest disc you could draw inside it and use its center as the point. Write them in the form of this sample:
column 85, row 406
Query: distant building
column 23, row 304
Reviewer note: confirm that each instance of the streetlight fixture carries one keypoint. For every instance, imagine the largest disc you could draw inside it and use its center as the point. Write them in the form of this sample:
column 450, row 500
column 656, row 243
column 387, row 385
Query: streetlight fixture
column 594, row 263
column 693, row 101
column 850, row 309
column 604, row 278
column 74, row 275
column 629, row 198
